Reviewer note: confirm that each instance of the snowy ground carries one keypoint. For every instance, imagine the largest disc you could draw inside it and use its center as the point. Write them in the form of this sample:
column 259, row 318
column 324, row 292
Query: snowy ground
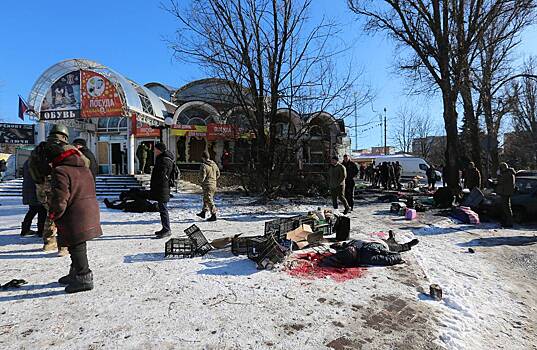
column 220, row 301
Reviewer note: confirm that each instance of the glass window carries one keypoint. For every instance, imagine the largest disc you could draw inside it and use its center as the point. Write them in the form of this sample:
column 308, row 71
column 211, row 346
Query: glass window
column 423, row 167
column 526, row 186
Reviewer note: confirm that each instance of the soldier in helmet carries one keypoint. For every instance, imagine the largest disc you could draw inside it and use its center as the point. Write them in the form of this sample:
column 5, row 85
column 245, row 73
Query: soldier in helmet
column 41, row 171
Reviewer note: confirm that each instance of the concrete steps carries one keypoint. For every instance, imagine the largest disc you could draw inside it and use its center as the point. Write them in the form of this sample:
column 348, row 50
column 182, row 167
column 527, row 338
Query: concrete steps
column 107, row 186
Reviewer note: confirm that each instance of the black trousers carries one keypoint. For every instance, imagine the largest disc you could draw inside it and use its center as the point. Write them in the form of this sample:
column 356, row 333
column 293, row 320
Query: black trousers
column 349, row 193
column 34, row 210
column 164, row 215
column 79, row 259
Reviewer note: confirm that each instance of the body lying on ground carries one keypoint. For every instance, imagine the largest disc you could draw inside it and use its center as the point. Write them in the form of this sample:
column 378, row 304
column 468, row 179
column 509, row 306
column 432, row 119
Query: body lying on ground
column 365, row 250
column 133, row 201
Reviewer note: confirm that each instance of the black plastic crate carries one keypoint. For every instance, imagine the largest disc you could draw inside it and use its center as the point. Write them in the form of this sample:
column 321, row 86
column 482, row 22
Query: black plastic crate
column 243, row 245
column 270, row 253
column 199, row 241
column 180, row 248
column 326, row 229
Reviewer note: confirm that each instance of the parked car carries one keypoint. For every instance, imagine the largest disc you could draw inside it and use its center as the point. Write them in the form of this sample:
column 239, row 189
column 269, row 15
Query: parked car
column 523, row 201
column 526, row 173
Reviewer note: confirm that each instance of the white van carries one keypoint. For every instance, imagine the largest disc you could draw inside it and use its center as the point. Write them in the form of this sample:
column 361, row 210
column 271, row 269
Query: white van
column 411, row 166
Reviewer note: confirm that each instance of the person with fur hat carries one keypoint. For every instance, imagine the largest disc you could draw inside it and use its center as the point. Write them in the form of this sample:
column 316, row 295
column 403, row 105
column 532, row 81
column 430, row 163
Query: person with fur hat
column 160, row 186
column 40, row 171
column 505, row 188
column 74, row 209
column 209, row 173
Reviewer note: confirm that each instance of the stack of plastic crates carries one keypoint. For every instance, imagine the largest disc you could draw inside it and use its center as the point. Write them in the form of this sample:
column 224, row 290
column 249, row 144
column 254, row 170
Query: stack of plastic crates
column 180, row 248
column 201, row 243
column 194, row 245
column 268, row 254
column 246, row 245
column 278, row 228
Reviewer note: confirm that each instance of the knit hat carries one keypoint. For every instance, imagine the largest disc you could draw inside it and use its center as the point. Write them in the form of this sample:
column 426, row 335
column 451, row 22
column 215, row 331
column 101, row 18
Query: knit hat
column 160, row 146
column 80, row 142
column 335, row 157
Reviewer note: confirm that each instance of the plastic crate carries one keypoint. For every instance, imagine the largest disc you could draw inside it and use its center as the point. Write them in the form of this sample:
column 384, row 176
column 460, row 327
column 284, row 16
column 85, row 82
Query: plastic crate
column 180, row 248
column 326, row 229
column 269, row 253
column 199, row 241
column 244, row 245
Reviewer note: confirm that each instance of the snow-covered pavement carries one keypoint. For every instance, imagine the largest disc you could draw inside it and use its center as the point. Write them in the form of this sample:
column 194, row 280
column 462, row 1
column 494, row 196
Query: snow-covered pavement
column 220, row 301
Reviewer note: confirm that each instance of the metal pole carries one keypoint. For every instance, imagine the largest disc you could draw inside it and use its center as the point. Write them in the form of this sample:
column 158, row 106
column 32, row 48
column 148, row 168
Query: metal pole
column 355, row 125
column 385, row 129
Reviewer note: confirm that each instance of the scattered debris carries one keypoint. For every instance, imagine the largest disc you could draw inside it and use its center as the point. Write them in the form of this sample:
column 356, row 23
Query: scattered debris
column 14, row 283
column 435, row 292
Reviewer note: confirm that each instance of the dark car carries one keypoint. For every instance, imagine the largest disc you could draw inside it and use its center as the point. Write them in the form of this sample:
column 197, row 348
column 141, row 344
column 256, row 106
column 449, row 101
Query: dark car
column 526, row 173
column 523, row 201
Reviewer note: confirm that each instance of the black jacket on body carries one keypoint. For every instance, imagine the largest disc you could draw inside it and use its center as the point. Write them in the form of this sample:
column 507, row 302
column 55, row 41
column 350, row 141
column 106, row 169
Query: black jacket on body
column 160, row 177
column 93, row 162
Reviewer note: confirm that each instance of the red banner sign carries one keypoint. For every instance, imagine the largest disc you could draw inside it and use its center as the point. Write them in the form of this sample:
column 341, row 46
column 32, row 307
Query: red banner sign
column 221, row 132
column 143, row 130
column 99, row 97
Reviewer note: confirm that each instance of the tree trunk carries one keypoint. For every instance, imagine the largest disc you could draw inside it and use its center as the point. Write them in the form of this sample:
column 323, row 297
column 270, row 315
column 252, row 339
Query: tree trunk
column 472, row 122
column 452, row 140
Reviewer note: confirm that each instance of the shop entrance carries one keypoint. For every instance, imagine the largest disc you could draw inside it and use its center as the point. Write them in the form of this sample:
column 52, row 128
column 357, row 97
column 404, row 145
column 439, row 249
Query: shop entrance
column 118, row 159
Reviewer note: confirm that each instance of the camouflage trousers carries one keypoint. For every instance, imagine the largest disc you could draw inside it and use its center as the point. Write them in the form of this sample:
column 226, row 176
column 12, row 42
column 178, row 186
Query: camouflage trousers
column 208, row 199
column 50, row 230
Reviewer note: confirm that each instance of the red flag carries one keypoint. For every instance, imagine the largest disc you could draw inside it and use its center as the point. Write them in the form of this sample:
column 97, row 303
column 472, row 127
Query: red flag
column 22, row 108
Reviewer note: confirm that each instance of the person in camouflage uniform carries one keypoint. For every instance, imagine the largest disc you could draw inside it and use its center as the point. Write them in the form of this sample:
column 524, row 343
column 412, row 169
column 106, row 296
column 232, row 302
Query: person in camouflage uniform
column 41, row 171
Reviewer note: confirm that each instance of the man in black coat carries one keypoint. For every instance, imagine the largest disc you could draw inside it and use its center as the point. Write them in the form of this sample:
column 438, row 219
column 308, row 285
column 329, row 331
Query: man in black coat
column 82, row 147
column 352, row 171
column 160, row 186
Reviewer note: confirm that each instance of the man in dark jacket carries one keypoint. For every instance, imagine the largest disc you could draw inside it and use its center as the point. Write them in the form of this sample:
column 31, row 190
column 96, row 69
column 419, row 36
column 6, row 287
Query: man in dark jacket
column 352, row 172
column 397, row 168
column 80, row 144
column 74, row 209
column 431, row 177
column 160, row 186
column 473, row 177
column 505, row 188
column 29, row 198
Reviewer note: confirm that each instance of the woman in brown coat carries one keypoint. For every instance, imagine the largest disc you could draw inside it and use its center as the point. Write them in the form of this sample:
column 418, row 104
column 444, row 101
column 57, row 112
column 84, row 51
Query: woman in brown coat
column 75, row 211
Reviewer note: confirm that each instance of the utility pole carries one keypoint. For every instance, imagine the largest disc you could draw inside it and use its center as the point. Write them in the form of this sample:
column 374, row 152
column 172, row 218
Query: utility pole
column 355, row 125
column 385, row 133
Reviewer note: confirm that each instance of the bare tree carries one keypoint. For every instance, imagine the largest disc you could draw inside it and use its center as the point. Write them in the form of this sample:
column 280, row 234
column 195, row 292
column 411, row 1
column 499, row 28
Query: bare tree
column 442, row 38
column 272, row 57
column 522, row 103
column 493, row 67
column 405, row 131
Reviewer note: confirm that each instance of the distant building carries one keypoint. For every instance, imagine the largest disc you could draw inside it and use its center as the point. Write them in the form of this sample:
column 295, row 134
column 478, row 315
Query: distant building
column 380, row 150
column 430, row 148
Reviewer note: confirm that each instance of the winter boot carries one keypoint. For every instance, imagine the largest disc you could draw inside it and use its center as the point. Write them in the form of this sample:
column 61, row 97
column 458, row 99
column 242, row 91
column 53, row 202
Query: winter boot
column 346, row 211
column 212, row 218
column 67, row 279
column 80, row 283
column 25, row 229
column 163, row 234
column 201, row 214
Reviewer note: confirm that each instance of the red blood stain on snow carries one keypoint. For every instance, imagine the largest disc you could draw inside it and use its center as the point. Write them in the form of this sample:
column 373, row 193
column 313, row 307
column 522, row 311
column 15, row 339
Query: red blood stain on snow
column 381, row 235
column 307, row 266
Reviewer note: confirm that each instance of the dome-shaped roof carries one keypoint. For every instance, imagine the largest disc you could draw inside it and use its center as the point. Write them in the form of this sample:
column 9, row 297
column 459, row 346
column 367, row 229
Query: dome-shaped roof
column 133, row 93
